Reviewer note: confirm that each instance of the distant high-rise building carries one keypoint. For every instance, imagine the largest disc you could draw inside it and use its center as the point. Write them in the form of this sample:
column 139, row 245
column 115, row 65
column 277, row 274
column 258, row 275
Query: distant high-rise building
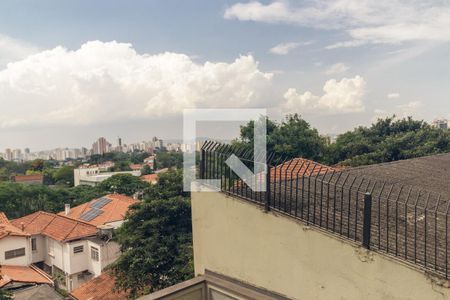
column 157, row 143
column 119, row 144
column 8, row 154
column 101, row 146
column 17, row 154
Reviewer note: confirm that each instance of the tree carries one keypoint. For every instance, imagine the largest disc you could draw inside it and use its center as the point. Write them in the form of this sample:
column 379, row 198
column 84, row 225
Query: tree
column 156, row 245
column 126, row 184
column 169, row 184
column 293, row 137
column 156, row 239
column 169, row 160
column 64, row 175
column 386, row 140
column 146, row 170
column 37, row 165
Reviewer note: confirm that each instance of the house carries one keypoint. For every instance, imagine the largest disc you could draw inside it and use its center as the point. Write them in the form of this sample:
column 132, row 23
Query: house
column 99, row 288
column 150, row 178
column 150, row 161
column 108, row 210
column 71, row 251
column 15, row 245
column 28, row 179
column 136, row 167
column 373, row 232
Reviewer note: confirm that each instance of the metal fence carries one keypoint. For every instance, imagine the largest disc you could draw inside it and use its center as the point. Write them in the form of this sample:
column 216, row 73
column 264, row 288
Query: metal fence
column 403, row 221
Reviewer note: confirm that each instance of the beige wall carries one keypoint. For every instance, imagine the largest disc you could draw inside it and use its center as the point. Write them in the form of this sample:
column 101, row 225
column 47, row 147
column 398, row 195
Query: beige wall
column 15, row 242
column 238, row 239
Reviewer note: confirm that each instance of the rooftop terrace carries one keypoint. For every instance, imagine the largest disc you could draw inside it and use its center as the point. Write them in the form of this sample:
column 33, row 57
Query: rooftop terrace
column 400, row 209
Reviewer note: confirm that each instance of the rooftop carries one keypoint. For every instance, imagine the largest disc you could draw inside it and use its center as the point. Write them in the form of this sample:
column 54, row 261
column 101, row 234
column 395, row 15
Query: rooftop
column 408, row 211
column 57, row 227
column 99, row 288
column 7, row 229
column 107, row 209
column 22, row 274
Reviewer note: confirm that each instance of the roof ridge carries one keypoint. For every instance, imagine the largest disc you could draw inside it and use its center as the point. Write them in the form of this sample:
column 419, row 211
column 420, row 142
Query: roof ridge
column 65, row 237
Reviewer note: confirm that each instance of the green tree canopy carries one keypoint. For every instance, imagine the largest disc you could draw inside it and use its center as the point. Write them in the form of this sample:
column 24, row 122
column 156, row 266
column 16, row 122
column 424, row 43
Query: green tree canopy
column 293, row 137
column 126, row 184
column 156, row 245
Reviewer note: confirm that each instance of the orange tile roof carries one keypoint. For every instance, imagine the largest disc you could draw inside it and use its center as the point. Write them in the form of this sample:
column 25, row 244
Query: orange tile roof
column 7, row 229
column 99, row 288
column 57, row 227
column 112, row 211
column 150, row 178
column 299, row 167
column 28, row 178
column 22, row 274
column 135, row 167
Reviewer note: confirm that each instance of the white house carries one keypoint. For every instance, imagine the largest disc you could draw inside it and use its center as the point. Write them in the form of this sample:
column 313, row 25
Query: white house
column 14, row 244
column 71, row 251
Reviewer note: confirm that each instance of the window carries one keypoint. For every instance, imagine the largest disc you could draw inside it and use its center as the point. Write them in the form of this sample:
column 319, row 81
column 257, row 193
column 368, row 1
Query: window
column 78, row 249
column 33, row 244
column 15, row 253
column 94, row 254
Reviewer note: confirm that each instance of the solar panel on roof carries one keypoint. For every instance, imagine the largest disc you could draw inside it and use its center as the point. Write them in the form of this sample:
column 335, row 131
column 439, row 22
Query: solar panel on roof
column 100, row 203
column 91, row 214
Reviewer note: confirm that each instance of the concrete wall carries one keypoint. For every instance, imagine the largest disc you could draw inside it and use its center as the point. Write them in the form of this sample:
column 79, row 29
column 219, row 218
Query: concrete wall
column 15, row 242
column 240, row 240
column 40, row 253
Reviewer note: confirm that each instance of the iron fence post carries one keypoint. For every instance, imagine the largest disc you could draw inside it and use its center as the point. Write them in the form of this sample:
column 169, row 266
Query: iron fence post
column 202, row 164
column 367, row 220
column 267, row 203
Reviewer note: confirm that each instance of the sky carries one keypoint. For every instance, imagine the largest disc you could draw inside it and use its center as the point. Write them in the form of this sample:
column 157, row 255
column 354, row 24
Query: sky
column 71, row 71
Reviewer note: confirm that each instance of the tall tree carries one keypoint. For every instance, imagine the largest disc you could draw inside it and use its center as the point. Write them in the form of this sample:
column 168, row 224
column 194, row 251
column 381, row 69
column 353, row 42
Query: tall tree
column 126, row 184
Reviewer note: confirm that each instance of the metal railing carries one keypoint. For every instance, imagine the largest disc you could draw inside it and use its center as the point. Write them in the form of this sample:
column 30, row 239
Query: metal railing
column 402, row 221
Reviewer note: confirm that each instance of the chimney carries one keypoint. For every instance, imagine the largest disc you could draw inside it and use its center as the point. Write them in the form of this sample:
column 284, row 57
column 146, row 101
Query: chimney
column 66, row 209
column 22, row 226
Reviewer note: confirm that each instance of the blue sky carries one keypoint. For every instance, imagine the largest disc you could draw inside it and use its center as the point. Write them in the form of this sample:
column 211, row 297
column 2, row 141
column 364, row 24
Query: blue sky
column 340, row 64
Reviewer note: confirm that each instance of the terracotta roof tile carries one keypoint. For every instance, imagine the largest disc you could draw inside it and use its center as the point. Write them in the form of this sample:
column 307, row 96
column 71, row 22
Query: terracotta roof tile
column 299, row 167
column 28, row 178
column 99, row 288
column 150, row 178
column 7, row 229
column 112, row 211
column 57, row 227
column 22, row 274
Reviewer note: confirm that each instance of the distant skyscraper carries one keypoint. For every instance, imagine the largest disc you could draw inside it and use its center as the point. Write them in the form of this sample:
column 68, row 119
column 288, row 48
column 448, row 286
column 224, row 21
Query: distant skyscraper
column 8, row 154
column 100, row 146
column 157, row 143
column 119, row 144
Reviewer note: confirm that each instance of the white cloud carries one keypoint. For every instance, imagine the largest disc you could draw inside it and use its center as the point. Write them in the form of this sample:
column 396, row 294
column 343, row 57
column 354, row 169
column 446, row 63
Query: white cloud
column 337, row 68
column 344, row 96
column 283, row 49
column 365, row 21
column 393, row 95
column 106, row 82
column 12, row 49
column 410, row 109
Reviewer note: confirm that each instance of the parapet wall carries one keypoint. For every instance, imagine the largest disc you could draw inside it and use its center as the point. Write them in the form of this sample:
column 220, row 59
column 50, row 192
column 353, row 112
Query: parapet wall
column 272, row 251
